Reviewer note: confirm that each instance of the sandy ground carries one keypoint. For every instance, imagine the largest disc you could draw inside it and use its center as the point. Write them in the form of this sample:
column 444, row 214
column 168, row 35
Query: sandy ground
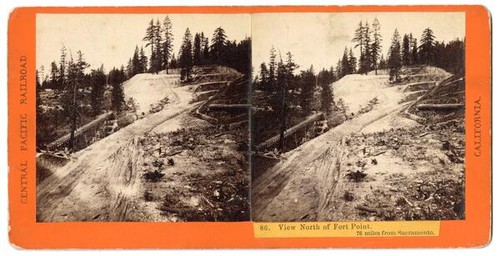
column 309, row 182
column 148, row 89
column 100, row 181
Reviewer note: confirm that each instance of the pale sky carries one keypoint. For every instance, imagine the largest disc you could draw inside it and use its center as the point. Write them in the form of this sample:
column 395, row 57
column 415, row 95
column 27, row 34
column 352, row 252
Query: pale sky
column 319, row 38
column 111, row 38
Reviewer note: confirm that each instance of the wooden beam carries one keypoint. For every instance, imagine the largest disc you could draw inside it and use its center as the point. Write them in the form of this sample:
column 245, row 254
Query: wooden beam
column 450, row 106
column 290, row 131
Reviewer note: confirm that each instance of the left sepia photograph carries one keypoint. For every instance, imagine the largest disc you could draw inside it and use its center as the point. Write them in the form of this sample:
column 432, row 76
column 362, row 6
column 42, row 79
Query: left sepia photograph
column 142, row 117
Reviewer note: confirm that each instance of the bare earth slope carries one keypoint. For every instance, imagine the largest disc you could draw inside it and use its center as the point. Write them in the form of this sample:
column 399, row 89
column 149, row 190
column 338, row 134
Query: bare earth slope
column 317, row 180
column 98, row 182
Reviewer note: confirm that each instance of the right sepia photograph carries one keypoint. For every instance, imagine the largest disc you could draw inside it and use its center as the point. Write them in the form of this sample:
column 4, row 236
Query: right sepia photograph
column 358, row 116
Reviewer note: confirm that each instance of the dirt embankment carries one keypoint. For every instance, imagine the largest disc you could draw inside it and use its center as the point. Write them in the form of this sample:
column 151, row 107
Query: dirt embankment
column 166, row 166
column 377, row 166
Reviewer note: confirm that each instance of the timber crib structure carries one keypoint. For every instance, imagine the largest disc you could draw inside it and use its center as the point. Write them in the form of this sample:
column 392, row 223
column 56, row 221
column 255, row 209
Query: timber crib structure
column 84, row 135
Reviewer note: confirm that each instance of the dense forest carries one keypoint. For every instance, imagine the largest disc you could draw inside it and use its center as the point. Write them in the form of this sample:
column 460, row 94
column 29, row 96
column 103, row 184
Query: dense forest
column 73, row 93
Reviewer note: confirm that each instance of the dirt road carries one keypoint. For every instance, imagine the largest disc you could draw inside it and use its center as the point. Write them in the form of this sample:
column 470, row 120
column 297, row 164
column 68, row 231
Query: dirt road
column 302, row 186
column 99, row 181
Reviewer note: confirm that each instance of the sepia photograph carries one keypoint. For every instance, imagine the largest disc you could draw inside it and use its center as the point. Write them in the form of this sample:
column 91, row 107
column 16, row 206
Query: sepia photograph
column 142, row 117
column 358, row 116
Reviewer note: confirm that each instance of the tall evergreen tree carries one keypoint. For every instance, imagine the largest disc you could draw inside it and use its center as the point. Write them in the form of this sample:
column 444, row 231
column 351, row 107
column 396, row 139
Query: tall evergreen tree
column 406, row 54
column 143, row 60
column 264, row 76
column 157, row 61
column 197, row 51
column 168, row 40
column 365, row 57
column 352, row 63
column 136, row 62
column 426, row 48
column 218, row 44
column 186, row 56
column 54, row 76
column 325, row 78
column 73, row 97
column 414, row 51
column 205, row 49
column 394, row 61
column 62, row 68
column 150, row 40
column 376, row 45
column 359, row 37
column 308, row 85
column 272, row 66
column 345, row 63
column 116, row 77
column 98, row 85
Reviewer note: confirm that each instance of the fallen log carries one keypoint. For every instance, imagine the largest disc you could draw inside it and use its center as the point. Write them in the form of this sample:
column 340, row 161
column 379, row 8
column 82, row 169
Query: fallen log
column 450, row 106
column 230, row 107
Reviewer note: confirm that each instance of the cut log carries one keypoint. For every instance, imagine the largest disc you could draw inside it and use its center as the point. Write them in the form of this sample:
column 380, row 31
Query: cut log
column 451, row 106
column 228, row 107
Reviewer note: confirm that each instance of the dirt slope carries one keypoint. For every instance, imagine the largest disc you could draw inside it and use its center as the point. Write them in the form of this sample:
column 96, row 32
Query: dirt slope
column 309, row 182
column 148, row 89
column 99, row 180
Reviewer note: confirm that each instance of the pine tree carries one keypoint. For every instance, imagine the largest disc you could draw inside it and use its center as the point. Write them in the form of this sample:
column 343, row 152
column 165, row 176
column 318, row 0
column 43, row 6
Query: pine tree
column 365, row 58
column 352, row 63
column 136, row 62
column 345, row 63
column 157, row 62
column 197, row 49
column 263, row 76
column 116, row 77
column 168, row 40
column 186, row 56
column 426, row 48
column 62, row 68
column 272, row 66
column 150, row 41
column 338, row 69
column 308, row 85
column 75, row 79
column 414, row 51
column 205, row 50
column 143, row 60
column 54, row 76
column 394, row 61
column 359, row 38
column 376, row 45
column 406, row 50
column 325, row 78
column 218, row 45
column 98, row 85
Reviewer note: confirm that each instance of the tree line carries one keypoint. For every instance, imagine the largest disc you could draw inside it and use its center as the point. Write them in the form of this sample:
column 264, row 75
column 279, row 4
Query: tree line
column 290, row 95
column 79, row 94
column 194, row 51
column 448, row 56
column 282, row 79
column 407, row 51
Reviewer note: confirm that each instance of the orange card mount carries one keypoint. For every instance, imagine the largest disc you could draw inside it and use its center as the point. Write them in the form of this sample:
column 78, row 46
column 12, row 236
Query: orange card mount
column 204, row 128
